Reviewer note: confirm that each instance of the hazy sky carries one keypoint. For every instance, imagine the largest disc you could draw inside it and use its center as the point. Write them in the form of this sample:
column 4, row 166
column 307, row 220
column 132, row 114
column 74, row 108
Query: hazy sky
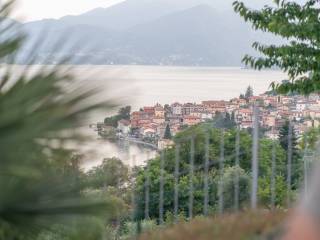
column 29, row 10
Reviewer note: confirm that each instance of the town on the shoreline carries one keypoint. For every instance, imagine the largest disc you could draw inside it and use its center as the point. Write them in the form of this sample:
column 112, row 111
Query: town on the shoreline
column 157, row 124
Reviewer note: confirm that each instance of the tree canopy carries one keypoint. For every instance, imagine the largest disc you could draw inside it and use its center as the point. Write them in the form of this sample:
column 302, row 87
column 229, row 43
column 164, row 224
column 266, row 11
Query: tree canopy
column 288, row 139
column 199, row 132
column 123, row 113
column 299, row 57
column 249, row 92
column 167, row 132
column 112, row 172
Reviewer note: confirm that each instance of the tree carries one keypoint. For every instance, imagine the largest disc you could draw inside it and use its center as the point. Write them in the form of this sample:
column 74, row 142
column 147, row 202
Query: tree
column 152, row 170
column 299, row 56
column 167, row 108
column 167, row 133
column 111, row 121
column 124, row 113
column 39, row 178
column 224, row 120
column 229, row 186
column 111, row 173
column 266, row 174
column 285, row 133
column 167, row 111
column 284, row 138
column 249, row 92
column 310, row 139
column 233, row 118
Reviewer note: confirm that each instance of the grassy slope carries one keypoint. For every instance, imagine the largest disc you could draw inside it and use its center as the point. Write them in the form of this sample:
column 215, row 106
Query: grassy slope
column 248, row 225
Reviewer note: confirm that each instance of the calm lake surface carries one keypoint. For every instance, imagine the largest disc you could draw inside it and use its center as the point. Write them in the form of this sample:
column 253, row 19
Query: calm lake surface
column 140, row 86
column 147, row 85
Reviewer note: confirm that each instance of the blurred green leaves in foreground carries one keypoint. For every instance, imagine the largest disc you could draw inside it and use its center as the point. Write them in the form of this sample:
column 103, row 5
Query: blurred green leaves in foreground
column 41, row 196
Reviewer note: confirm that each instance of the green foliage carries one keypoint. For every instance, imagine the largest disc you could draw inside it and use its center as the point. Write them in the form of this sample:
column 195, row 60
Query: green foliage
column 299, row 57
column 310, row 139
column 264, row 190
column 88, row 229
column 249, row 92
column 284, row 138
column 111, row 173
column 265, row 173
column 39, row 179
column 199, row 133
column 131, row 228
column 297, row 163
column 167, row 133
column 224, row 120
column 123, row 113
column 228, row 180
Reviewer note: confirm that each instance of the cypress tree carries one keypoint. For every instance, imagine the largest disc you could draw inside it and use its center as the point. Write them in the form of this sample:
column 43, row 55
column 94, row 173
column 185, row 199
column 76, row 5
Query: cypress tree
column 167, row 133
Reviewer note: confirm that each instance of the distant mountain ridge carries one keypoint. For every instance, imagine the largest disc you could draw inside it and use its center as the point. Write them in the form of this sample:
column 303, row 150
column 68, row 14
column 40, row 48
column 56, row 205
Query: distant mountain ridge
column 148, row 32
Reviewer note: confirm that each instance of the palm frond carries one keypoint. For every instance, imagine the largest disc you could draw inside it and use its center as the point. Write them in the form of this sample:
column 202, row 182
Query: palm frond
column 34, row 109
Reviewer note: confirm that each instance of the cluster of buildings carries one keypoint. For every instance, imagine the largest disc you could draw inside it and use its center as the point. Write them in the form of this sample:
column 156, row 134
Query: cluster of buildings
column 274, row 111
column 152, row 121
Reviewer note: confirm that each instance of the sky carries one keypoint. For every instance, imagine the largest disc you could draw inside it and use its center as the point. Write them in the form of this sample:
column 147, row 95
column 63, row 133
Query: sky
column 30, row 10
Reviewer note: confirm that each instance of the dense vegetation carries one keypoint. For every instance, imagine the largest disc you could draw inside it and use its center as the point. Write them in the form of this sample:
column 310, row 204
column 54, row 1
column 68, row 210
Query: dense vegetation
column 113, row 178
column 199, row 133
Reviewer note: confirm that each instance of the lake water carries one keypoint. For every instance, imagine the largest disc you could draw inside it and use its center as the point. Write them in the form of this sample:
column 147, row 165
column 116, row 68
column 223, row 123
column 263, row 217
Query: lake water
column 147, row 85
column 140, row 86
